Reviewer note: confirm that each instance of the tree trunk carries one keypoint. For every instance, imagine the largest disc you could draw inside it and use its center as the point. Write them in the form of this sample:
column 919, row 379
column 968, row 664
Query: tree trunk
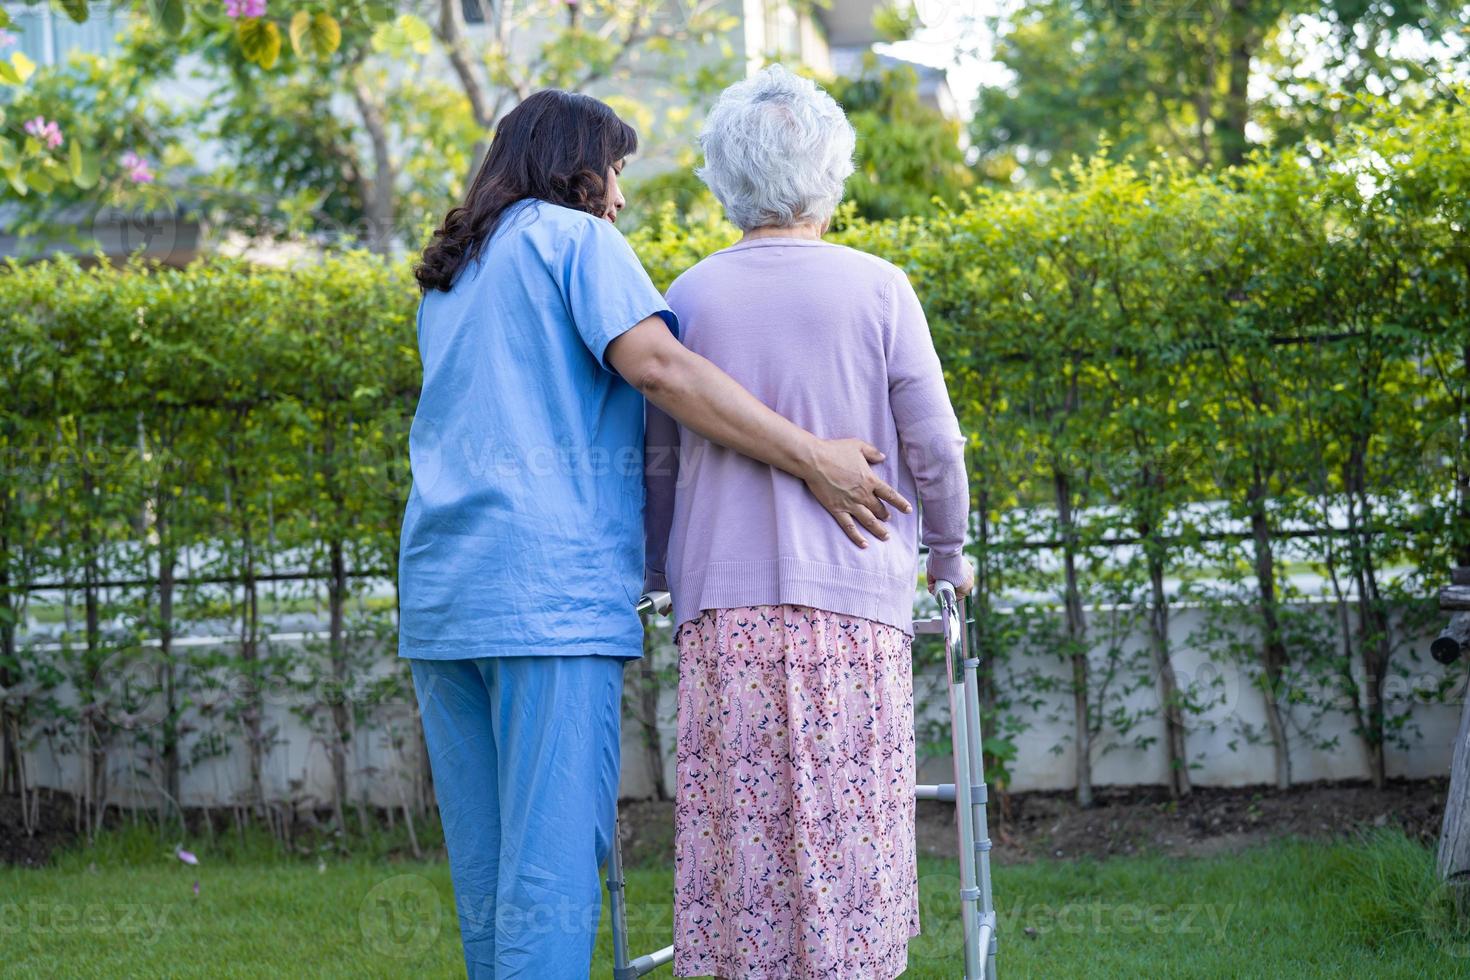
column 1230, row 128
column 984, row 643
column 9, row 748
column 337, row 647
column 95, row 791
column 1462, row 469
column 648, row 704
column 380, row 203
column 1175, row 740
column 252, row 712
column 1076, row 639
column 168, row 678
column 1273, row 650
column 1372, row 619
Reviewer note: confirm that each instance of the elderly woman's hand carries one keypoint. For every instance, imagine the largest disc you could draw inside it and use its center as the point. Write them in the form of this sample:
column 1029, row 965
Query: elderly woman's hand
column 840, row 476
column 961, row 589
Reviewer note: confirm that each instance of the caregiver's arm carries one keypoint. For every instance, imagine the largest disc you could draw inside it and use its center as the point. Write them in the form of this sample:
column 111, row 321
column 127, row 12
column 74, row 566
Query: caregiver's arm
column 660, row 477
column 710, row 402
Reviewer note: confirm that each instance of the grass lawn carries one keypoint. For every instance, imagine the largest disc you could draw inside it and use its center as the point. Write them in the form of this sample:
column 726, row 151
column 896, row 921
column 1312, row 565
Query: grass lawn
column 127, row 908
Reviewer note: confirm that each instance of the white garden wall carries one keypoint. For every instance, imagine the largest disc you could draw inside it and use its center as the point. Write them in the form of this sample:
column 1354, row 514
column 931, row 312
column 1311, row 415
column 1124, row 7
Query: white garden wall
column 385, row 761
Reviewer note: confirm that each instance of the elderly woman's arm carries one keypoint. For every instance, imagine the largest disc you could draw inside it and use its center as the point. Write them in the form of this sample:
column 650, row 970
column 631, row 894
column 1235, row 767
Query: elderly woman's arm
column 929, row 435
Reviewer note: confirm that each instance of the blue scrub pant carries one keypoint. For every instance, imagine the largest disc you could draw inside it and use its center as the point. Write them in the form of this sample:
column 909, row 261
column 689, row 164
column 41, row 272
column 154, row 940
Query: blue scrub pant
column 524, row 752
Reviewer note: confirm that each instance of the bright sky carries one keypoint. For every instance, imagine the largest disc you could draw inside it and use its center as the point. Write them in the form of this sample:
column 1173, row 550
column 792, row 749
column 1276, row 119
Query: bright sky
column 955, row 37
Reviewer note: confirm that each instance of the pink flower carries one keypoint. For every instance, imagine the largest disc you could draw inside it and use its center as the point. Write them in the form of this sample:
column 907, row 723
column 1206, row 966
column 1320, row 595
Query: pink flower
column 245, row 8
column 137, row 168
column 7, row 39
column 185, row 856
column 47, row 132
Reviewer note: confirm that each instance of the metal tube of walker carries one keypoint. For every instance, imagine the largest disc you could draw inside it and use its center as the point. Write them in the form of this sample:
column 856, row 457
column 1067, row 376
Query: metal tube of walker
column 623, row 969
column 618, row 901
column 963, row 776
column 978, row 799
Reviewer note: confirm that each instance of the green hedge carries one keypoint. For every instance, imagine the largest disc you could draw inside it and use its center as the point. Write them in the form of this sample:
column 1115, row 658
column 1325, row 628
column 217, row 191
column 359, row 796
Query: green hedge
column 1163, row 374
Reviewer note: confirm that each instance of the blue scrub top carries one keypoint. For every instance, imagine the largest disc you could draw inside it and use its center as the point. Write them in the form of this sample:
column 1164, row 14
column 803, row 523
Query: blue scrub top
column 523, row 533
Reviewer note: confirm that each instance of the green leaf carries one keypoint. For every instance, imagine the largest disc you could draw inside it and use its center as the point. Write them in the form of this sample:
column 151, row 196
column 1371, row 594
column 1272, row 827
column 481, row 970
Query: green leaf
column 260, row 40
column 77, row 10
column 39, row 181
column 17, row 69
column 4, row 18
column 8, row 156
column 84, row 166
column 315, row 35
column 24, row 67
column 406, row 35
column 17, row 181
column 170, row 15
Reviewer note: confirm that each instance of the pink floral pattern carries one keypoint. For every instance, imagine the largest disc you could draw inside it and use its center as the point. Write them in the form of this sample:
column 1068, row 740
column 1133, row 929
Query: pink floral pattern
column 794, row 823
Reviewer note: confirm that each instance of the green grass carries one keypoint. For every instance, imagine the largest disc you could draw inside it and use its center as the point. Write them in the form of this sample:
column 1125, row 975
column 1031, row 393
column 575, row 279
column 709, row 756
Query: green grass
column 126, row 908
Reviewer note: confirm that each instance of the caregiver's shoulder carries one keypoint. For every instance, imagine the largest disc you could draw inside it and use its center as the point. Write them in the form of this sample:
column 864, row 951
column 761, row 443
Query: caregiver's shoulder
column 554, row 227
column 841, row 267
column 567, row 217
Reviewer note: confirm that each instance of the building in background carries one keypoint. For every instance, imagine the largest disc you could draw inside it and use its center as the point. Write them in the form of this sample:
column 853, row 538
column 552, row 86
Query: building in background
column 934, row 88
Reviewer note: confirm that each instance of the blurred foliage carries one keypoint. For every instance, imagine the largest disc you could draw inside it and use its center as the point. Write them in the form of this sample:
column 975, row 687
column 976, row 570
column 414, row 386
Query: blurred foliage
column 908, row 153
column 1197, row 81
column 103, row 110
column 355, row 121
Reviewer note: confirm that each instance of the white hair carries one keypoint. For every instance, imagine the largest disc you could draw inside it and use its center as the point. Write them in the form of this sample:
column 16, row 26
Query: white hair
column 777, row 150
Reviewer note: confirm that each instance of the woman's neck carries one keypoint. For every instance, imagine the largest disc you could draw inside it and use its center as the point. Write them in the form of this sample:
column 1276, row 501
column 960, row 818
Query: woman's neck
column 812, row 231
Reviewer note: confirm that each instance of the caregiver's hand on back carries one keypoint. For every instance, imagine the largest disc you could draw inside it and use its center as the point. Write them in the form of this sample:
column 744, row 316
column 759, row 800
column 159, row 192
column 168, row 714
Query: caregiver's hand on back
column 704, row 398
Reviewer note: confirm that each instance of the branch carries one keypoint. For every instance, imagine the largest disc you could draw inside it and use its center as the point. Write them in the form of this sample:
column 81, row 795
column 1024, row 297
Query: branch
column 451, row 35
column 380, row 203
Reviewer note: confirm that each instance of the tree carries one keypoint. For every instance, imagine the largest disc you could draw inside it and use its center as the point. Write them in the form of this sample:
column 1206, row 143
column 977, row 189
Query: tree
column 1202, row 80
column 908, row 153
column 100, row 133
column 34, row 152
column 363, row 117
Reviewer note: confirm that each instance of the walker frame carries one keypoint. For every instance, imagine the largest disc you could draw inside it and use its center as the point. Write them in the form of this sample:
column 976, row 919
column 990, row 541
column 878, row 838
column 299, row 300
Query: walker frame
column 967, row 792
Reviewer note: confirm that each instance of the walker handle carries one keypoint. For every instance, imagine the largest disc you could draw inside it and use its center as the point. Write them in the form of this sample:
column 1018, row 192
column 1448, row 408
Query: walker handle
column 655, row 602
column 949, row 613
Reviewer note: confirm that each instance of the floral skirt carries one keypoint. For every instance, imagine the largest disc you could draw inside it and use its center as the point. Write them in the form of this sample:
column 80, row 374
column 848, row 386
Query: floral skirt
column 794, row 821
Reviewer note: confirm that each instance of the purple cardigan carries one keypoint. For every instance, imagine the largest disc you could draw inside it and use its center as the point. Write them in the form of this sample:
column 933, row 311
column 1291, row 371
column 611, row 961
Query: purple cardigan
column 835, row 340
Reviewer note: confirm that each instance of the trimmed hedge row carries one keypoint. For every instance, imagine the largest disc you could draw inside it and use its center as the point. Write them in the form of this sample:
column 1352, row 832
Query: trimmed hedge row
column 1161, row 373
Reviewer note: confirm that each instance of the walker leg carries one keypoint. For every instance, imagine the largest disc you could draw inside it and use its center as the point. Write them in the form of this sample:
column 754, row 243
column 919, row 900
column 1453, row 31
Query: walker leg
column 618, row 904
column 964, row 781
column 978, row 799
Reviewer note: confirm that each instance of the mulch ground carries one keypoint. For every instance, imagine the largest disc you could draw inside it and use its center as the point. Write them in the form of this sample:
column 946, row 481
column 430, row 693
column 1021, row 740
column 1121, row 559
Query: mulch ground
column 1024, row 826
column 1137, row 820
column 53, row 830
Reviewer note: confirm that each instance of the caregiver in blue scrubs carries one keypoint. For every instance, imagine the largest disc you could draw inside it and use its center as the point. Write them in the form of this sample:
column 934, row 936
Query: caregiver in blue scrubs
column 522, row 548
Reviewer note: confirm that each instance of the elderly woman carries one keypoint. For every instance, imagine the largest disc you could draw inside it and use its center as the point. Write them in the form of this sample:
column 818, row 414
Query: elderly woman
column 794, row 819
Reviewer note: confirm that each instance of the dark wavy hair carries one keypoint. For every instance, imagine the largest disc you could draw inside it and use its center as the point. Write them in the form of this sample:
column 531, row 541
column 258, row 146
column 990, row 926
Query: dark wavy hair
column 556, row 146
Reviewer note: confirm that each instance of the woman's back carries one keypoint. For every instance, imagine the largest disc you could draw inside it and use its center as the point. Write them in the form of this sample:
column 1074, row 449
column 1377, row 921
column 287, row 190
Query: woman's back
column 522, row 445
column 835, row 340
